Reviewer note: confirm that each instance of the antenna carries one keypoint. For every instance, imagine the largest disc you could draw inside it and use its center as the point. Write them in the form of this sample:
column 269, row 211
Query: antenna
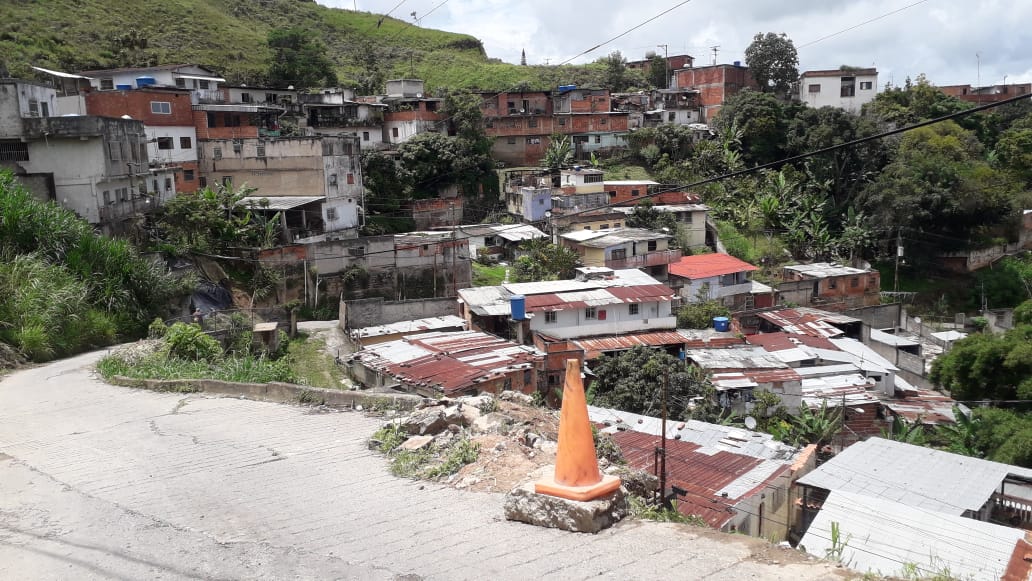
column 715, row 48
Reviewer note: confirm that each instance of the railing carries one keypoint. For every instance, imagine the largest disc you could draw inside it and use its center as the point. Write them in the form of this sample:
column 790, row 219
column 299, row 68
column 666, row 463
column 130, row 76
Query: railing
column 650, row 259
column 1012, row 510
column 210, row 96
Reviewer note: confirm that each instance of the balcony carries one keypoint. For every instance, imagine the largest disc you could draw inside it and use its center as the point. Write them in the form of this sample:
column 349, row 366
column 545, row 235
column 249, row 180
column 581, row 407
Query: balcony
column 207, row 96
column 657, row 258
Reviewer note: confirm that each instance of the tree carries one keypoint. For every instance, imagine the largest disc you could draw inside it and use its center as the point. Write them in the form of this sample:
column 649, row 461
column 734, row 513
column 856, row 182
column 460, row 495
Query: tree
column 523, row 58
column 559, row 153
column 760, row 122
column 212, row 220
column 699, row 313
column 773, row 62
column 1005, row 284
column 658, row 72
column 298, row 60
column 1003, row 435
column 381, row 177
column 983, row 366
column 646, row 216
column 633, row 381
column 615, row 73
column 542, row 260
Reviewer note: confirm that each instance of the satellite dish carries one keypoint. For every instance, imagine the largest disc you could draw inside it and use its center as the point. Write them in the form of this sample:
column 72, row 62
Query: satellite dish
column 750, row 422
column 419, row 95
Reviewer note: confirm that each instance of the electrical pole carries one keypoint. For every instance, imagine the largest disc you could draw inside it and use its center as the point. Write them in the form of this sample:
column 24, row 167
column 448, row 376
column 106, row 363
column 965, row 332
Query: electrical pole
column 899, row 254
column 715, row 48
column 666, row 63
column 662, row 452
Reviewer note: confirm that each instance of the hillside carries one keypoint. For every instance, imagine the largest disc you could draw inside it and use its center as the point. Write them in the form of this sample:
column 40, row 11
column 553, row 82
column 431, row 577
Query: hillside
column 230, row 36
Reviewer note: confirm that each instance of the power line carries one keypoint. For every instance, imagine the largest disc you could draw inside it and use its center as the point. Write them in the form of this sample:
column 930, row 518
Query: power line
column 625, row 33
column 855, row 26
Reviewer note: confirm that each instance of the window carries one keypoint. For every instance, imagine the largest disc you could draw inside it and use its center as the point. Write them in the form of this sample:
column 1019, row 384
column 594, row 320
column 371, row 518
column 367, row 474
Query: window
column 562, row 121
column 356, row 251
column 431, row 105
column 14, row 151
column 168, row 184
column 814, row 88
column 365, row 136
column 245, row 97
column 612, row 194
column 107, row 198
column 107, row 84
column 185, row 143
column 232, row 120
column 593, row 178
column 590, row 313
column 164, row 143
column 603, row 227
column 212, row 119
column 848, row 87
column 202, row 182
column 866, row 85
column 155, row 185
column 550, row 317
column 616, row 224
column 161, row 107
column 603, row 121
column 188, row 175
column 351, row 179
column 203, row 84
column 33, row 108
column 635, row 192
column 672, row 116
column 619, row 254
column 652, row 245
column 115, row 151
column 123, row 194
column 44, row 108
column 238, row 146
column 831, row 283
column 216, row 153
column 532, row 122
column 181, row 82
column 394, row 131
column 331, row 214
column 854, row 282
column 633, row 308
column 598, row 139
column 511, row 141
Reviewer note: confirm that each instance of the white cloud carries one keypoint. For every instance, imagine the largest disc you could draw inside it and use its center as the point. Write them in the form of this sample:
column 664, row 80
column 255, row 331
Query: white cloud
column 938, row 37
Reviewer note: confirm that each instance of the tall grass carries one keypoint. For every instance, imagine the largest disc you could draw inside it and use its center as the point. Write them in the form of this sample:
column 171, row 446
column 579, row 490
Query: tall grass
column 63, row 287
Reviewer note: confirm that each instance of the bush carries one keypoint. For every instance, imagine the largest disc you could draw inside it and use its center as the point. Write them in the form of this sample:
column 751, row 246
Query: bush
column 157, row 329
column 191, row 343
column 700, row 315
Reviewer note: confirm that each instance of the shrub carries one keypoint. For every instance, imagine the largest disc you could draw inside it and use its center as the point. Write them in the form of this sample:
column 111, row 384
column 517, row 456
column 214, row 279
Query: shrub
column 157, row 329
column 191, row 343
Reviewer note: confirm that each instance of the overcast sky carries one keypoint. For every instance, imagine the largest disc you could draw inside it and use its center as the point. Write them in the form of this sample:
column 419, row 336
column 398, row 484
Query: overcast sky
column 945, row 39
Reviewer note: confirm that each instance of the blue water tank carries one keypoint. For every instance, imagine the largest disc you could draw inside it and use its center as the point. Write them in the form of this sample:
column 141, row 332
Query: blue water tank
column 721, row 324
column 145, row 82
column 518, row 305
column 738, row 63
column 566, row 88
column 124, row 87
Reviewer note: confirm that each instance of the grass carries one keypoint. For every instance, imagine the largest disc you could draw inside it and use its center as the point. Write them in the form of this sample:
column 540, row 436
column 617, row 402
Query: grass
column 244, row 369
column 436, row 461
column 230, row 36
column 485, row 275
column 619, row 171
column 937, row 294
column 645, row 510
column 308, row 360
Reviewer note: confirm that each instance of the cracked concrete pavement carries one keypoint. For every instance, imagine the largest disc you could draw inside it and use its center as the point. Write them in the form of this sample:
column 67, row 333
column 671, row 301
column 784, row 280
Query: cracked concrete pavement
column 104, row 482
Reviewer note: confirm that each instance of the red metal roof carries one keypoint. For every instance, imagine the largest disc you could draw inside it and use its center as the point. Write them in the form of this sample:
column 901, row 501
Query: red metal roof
column 703, row 476
column 708, row 265
column 642, row 293
column 782, row 341
column 596, row 346
column 771, row 375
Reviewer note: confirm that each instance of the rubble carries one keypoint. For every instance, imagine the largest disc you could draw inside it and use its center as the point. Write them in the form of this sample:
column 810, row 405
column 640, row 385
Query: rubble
column 523, row 504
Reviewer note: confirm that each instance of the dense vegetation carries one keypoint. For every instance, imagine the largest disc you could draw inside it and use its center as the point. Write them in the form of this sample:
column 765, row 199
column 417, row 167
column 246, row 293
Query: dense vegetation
column 66, row 289
column 233, row 36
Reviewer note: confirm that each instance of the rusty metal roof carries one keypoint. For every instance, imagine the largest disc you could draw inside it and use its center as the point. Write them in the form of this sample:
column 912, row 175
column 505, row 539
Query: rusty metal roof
column 708, row 265
column 782, row 341
column 801, row 323
column 595, row 346
column 448, row 361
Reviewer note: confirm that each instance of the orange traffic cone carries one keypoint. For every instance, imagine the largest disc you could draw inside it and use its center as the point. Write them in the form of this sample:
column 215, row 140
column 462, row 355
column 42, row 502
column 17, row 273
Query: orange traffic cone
column 577, row 476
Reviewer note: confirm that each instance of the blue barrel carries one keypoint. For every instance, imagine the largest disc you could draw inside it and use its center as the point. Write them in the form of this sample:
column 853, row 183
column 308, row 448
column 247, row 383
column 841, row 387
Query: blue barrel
column 124, row 87
column 518, row 305
column 721, row 324
column 145, row 82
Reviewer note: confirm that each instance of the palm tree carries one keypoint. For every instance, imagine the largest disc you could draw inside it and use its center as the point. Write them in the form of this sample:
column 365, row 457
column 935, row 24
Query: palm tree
column 559, row 153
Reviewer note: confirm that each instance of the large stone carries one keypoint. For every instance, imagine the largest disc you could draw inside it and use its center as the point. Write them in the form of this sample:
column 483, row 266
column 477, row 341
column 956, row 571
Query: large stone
column 517, row 397
column 453, row 415
column 428, row 421
column 524, row 505
column 490, row 422
column 416, row 442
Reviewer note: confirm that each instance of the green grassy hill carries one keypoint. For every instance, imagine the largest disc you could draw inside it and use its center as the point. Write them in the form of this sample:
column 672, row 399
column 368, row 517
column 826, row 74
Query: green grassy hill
column 230, row 36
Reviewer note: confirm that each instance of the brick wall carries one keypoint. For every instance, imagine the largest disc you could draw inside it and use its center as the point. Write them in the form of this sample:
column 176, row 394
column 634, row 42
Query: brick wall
column 137, row 104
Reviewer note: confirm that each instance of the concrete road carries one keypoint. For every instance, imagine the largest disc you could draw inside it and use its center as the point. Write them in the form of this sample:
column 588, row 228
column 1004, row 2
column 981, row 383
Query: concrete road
column 103, row 482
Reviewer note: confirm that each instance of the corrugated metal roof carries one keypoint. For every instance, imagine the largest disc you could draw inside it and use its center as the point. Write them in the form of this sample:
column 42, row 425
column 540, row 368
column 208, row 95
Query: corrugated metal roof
column 278, row 202
column 781, row 341
column 427, row 324
column 890, row 339
column 913, row 475
column 595, row 346
column 883, row 537
column 825, row 270
column 795, row 321
column 708, row 265
column 614, row 237
column 449, row 361
column 517, row 233
column 737, row 358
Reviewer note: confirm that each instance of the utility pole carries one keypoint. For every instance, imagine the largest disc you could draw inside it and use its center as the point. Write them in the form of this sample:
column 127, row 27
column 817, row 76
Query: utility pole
column 662, row 449
column 666, row 63
column 899, row 254
column 715, row 48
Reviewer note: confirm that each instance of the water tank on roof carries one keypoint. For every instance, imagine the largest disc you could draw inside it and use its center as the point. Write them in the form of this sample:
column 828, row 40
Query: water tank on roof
column 518, row 306
column 145, row 82
column 738, row 63
column 123, row 87
column 566, row 88
column 721, row 324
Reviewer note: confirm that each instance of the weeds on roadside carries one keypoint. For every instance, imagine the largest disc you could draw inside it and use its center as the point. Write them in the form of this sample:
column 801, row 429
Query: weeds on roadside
column 645, row 510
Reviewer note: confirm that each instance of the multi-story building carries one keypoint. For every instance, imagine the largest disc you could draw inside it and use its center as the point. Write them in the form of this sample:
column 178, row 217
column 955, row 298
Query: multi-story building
column 586, row 115
column 677, row 106
column 846, row 88
column 520, row 124
column 97, row 167
column 621, row 248
column 410, row 112
column 715, row 84
column 987, row 94
column 335, row 111
column 830, row 286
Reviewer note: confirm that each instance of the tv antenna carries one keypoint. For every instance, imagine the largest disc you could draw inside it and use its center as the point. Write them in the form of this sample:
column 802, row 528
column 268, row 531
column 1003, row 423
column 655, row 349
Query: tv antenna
column 715, row 48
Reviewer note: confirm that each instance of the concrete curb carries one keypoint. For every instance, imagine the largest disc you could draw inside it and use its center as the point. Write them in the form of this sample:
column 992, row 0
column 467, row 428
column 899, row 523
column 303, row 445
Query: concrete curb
column 273, row 392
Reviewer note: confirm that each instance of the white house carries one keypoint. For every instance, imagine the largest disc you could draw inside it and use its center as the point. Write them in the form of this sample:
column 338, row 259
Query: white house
column 846, row 88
